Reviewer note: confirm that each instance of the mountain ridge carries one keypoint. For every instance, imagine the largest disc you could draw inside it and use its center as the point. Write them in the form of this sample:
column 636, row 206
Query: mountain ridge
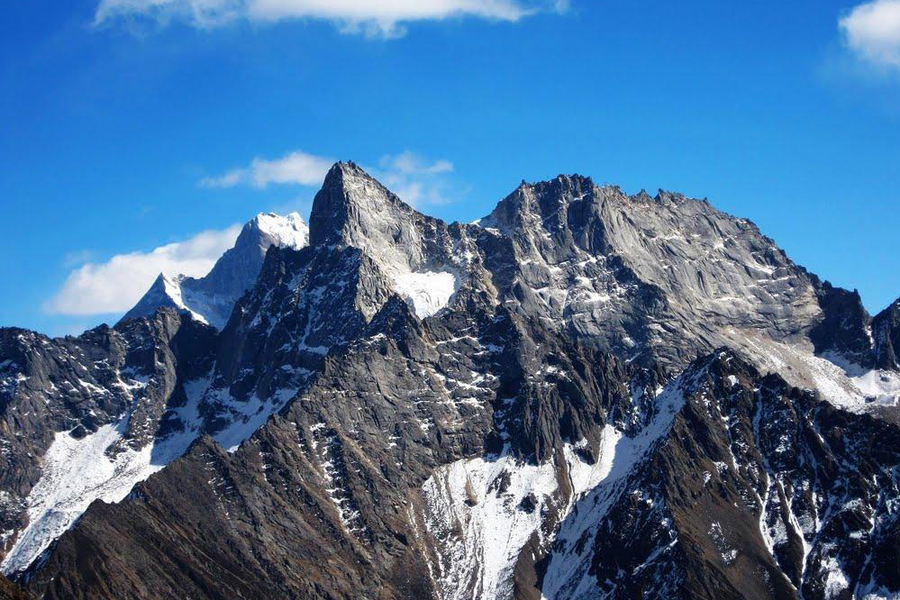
column 363, row 402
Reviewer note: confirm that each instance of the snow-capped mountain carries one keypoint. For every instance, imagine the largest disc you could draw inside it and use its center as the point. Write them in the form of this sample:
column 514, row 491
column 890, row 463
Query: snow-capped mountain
column 211, row 298
column 583, row 395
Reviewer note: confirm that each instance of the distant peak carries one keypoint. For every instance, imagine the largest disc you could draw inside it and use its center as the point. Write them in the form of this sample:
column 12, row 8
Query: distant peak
column 269, row 220
column 267, row 229
column 666, row 196
column 642, row 196
column 561, row 182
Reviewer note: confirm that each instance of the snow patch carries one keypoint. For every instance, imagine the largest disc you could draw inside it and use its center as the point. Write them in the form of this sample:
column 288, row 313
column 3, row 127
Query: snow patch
column 172, row 289
column 426, row 292
column 75, row 473
column 78, row 471
column 852, row 387
column 484, row 512
column 289, row 231
column 248, row 416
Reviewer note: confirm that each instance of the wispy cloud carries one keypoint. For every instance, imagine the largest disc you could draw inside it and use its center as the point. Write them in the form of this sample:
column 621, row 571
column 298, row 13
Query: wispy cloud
column 384, row 19
column 76, row 258
column 297, row 168
column 417, row 180
column 117, row 284
column 872, row 32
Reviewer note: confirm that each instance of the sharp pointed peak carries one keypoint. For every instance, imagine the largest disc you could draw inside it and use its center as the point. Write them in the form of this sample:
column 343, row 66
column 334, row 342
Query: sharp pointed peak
column 342, row 169
column 642, row 196
column 353, row 200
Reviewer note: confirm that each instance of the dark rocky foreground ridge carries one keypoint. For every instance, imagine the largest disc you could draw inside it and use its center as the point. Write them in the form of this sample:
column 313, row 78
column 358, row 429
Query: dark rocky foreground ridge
column 583, row 395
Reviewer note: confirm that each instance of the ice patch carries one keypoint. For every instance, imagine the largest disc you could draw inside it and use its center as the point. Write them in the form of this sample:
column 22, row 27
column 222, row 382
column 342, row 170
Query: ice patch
column 426, row 292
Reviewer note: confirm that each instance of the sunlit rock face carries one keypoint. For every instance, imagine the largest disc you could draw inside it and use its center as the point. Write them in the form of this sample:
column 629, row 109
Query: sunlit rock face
column 582, row 395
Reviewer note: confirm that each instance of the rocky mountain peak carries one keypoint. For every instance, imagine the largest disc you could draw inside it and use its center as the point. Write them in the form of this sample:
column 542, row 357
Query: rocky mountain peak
column 491, row 410
column 532, row 203
column 421, row 258
column 642, row 196
column 353, row 209
column 667, row 197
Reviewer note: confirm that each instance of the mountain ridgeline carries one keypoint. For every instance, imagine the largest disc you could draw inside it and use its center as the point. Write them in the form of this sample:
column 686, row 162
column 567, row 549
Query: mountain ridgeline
column 582, row 395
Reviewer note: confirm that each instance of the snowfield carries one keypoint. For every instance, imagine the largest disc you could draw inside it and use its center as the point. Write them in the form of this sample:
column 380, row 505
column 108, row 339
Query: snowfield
column 426, row 292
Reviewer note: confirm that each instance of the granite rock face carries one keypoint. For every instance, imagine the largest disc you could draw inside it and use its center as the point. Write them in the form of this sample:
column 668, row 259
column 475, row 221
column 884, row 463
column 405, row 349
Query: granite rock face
column 584, row 394
column 886, row 335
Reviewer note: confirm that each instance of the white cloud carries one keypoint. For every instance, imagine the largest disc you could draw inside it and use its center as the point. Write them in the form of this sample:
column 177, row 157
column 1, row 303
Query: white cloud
column 295, row 168
column 872, row 32
column 117, row 284
column 378, row 18
column 414, row 179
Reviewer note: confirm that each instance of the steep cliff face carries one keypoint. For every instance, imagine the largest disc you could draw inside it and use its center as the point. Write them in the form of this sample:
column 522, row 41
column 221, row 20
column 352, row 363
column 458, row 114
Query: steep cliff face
column 758, row 490
column 886, row 335
column 583, row 395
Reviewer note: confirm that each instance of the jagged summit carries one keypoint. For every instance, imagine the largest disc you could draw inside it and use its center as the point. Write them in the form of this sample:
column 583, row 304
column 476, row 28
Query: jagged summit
column 211, row 298
column 584, row 394
column 417, row 255
column 354, row 209
column 531, row 203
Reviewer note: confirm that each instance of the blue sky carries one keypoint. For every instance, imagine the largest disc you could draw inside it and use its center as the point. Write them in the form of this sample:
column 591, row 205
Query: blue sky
column 120, row 120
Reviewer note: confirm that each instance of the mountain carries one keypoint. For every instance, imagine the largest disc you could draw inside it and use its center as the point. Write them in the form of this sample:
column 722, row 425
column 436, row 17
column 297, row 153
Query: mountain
column 211, row 298
column 886, row 335
column 10, row 591
column 584, row 394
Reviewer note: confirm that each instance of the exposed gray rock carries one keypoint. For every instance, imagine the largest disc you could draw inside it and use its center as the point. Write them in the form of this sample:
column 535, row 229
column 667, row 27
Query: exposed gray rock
column 886, row 334
column 513, row 408
column 125, row 378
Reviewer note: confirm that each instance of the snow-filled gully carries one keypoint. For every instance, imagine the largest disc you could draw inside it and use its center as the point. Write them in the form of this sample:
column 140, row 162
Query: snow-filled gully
column 481, row 512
